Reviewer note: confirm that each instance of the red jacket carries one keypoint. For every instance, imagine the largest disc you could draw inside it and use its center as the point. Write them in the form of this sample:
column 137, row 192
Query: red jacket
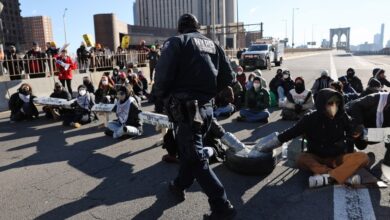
column 66, row 74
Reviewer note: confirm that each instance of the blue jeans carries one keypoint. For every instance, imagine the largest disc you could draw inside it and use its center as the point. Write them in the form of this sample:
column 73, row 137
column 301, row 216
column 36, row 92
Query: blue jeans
column 226, row 110
column 193, row 162
column 254, row 116
column 281, row 93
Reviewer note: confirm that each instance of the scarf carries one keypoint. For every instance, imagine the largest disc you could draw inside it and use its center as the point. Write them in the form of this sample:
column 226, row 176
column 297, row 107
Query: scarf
column 24, row 98
column 379, row 111
column 83, row 101
column 122, row 110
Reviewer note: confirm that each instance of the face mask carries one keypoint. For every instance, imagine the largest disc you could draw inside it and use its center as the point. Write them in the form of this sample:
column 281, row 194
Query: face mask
column 85, row 82
column 256, row 86
column 299, row 87
column 286, row 76
column 332, row 110
column 239, row 73
column 25, row 91
column 350, row 74
column 104, row 82
column 82, row 92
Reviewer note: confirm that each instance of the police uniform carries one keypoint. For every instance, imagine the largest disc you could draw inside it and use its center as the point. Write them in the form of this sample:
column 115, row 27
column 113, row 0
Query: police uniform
column 192, row 67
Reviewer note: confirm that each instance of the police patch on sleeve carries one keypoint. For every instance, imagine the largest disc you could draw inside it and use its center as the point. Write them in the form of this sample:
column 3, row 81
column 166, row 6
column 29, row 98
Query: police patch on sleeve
column 205, row 45
column 166, row 45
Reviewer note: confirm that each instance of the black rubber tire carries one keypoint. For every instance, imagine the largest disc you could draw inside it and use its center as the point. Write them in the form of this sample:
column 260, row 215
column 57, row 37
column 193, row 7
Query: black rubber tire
column 262, row 165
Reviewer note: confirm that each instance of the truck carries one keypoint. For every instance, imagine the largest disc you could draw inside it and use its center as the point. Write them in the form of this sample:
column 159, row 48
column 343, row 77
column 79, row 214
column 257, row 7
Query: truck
column 262, row 54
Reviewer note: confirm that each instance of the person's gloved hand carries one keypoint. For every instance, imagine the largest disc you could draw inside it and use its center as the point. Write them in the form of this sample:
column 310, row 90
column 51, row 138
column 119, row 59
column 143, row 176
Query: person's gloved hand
column 208, row 151
column 298, row 108
column 268, row 143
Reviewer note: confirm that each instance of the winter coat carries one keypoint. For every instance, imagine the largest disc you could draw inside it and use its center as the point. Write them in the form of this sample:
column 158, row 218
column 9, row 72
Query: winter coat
column 133, row 119
column 225, row 97
column 257, row 100
column 325, row 137
column 66, row 74
column 15, row 103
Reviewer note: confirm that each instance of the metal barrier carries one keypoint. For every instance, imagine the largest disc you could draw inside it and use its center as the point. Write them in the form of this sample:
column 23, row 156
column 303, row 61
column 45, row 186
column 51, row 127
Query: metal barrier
column 25, row 68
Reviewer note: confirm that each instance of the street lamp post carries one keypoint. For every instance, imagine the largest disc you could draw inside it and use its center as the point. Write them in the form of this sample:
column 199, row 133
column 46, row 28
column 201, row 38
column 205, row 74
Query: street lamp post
column 65, row 24
column 292, row 37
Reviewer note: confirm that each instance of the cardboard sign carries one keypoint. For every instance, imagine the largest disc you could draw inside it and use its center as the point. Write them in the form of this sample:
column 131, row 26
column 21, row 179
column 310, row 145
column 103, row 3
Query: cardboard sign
column 88, row 40
column 103, row 107
column 155, row 119
column 53, row 101
column 125, row 42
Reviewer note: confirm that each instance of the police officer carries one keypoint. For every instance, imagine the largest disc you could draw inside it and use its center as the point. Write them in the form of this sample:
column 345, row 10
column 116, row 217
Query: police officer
column 192, row 69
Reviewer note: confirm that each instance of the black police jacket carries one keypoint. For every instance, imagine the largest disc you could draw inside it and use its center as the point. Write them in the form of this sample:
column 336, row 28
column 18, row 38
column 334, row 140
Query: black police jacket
column 192, row 67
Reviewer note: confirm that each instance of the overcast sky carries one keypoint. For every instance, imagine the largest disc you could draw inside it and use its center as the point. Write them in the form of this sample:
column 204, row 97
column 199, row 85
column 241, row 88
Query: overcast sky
column 314, row 18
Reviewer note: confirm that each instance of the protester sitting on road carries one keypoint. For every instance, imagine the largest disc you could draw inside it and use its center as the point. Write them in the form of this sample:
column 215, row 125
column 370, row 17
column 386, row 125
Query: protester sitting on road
column 66, row 66
column 241, row 77
column 109, row 78
column 239, row 93
column 115, row 75
column 137, row 86
column 329, row 134
column 371, row 111
column 286, row 85
column 273, row 86
column 81, row 109
column 374, row 86
column 106, row 92
column 379, row 74
column 256, row 104
column 259, row 74
column 127, row 111
column 338, row 86
column 144, row 81
column 224, row 103
column 347, row 88
column 88, row 84
column 249, row 83
column 299, row 101
column 321, row 83
column 56, row 113
column 354, row 81
column 21, row 104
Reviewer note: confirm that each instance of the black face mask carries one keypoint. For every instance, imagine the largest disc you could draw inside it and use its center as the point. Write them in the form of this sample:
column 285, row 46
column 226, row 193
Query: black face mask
column 86, row 82
column 25, row 92
column 299, row 88
column 350, row 75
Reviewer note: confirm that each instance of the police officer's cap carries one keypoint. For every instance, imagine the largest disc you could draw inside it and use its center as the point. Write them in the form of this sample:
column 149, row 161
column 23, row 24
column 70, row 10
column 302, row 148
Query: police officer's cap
column 187, row 22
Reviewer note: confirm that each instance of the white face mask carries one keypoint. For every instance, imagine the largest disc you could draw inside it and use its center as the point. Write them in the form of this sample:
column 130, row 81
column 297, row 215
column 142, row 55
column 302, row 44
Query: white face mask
column 256, row 86
column 105, row 82
column 285, row 76
column 82, row 92
column 332, row 110
column 239, row 72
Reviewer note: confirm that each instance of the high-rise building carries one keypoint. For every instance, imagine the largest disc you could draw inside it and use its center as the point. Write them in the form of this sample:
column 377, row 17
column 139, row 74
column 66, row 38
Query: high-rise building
column 37, row 29
column 12, row 33
column 165, row 14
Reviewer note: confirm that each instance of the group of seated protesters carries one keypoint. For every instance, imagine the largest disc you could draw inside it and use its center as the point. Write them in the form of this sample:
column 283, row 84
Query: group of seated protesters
column 115, row 89
column 253, row 99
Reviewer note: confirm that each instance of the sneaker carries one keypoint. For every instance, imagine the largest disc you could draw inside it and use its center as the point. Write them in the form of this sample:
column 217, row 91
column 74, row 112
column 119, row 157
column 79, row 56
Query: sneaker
column 319, row 180
column 177, row 192
column 228, row 213
column 108, row 132
column 354, row 180
column 170, row 159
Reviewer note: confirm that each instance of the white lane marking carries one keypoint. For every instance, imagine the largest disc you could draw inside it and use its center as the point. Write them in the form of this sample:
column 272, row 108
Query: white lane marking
column 292, row 57
column 333, row 71
column 351, row 203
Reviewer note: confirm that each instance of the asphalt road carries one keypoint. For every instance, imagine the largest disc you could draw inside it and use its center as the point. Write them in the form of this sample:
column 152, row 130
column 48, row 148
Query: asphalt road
column 48, row 171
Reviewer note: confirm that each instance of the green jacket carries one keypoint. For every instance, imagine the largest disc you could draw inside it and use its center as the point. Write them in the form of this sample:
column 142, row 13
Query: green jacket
column 257, row 100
